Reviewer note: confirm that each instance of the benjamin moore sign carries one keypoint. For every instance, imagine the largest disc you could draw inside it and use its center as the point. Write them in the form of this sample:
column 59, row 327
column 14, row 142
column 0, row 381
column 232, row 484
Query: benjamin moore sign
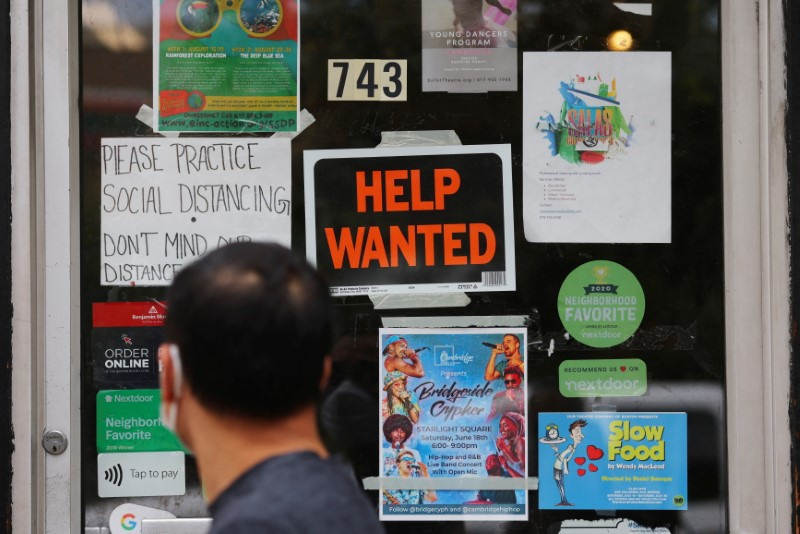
column 125, row 340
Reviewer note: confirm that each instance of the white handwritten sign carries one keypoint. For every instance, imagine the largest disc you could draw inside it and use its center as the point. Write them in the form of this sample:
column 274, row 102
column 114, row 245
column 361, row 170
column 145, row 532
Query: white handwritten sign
column 164, row 202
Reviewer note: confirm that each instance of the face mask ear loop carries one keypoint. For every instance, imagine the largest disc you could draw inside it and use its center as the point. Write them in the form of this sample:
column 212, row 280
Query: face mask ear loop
column 177, row 370
column 169, row 418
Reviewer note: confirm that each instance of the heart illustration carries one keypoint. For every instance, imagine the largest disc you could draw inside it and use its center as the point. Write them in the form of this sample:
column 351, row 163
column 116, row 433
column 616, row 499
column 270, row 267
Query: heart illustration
column 592, row 468
column 580, row 460
column 581, row 472
column 622, row 368
column 593, row 452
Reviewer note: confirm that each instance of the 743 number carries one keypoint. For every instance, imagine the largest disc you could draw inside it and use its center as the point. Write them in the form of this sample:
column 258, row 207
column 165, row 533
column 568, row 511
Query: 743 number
column 367, row 79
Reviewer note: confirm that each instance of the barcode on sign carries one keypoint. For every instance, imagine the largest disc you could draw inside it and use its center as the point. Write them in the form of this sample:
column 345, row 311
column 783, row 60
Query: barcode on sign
column 493, row 278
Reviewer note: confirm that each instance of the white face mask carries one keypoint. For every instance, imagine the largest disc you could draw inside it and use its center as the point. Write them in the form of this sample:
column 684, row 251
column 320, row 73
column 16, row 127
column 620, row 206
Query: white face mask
column 169, row 411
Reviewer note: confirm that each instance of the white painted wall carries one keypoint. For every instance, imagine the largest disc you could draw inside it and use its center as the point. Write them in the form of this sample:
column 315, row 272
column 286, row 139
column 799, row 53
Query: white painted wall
column 45, row 343
column 756, row 266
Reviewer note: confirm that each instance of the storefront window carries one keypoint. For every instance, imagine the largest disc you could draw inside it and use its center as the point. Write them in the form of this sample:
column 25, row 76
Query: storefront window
column 585, row 135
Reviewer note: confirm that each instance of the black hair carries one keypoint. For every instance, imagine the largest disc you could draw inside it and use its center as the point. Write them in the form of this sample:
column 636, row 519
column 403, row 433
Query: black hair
column 253, row 325
column 579, row 423
column 513, row 370
column 516, row 337
column 395, row 421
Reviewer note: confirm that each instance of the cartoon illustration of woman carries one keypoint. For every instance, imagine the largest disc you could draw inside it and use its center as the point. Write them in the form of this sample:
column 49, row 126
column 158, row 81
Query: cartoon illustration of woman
column 398, row 399
column 397, row 429
column 511, row 444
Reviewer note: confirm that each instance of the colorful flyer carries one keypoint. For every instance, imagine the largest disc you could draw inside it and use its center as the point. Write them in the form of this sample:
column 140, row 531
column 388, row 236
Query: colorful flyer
column 596, row 147
column 469, row 46
column 601, row 304
column 165, row 202
column 453, row 424
column 125, row 341
column 225, row 65
column 612, row 461
column 411, row 219
column 129, row 421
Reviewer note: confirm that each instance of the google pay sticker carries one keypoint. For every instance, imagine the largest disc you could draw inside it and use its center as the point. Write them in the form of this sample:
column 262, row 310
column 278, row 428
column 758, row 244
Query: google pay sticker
column 601, row 304
column 129, row 421
column 602, row 378
column 127, row 518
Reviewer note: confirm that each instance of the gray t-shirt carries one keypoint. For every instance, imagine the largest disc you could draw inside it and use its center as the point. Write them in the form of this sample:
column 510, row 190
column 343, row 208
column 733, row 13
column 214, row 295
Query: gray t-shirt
column 294, row 493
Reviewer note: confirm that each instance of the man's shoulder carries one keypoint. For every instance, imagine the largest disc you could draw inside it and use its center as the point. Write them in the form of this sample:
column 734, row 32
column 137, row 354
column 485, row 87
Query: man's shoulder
column 301, row 490
column 244, row 525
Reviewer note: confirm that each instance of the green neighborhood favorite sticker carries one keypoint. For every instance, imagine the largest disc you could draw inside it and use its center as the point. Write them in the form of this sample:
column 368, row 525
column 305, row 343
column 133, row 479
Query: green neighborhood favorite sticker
column 128, row 421
column 601, row 303
column 602, row 378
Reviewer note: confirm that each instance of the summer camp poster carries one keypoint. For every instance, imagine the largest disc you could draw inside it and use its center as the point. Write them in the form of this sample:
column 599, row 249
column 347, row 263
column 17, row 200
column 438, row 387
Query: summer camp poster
column 221, row 66
column 469, row 46
column 612, row 461
column 597, row 147
column 411, row 220
column 453, row 424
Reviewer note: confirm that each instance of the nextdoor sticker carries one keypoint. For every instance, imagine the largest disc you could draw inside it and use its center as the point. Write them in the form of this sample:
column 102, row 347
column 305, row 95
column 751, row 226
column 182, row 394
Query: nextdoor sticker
column 129, row 421
column 601, row 304
column 602, row 378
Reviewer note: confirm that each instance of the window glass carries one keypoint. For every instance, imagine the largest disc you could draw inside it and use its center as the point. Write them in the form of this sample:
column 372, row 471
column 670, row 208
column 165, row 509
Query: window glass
column 680, row 338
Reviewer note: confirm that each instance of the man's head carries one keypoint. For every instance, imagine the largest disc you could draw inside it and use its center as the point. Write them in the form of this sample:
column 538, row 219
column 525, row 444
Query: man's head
column 406, row 463
column 512, row 377
column 396, row 347
column 575, row 429
column 493, row 467
column 510, row 345
column 253, row 326
column 397, row 429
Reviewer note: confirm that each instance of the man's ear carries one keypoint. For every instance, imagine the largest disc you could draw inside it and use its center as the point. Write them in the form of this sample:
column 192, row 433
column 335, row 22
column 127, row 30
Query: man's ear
column 327, row 369
column 166, row 375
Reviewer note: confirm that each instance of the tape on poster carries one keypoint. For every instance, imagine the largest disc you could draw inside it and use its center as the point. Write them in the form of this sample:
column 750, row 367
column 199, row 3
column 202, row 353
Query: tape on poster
column 306, row 120
column 460, row 483
column 145, row 116
column 433, row 300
